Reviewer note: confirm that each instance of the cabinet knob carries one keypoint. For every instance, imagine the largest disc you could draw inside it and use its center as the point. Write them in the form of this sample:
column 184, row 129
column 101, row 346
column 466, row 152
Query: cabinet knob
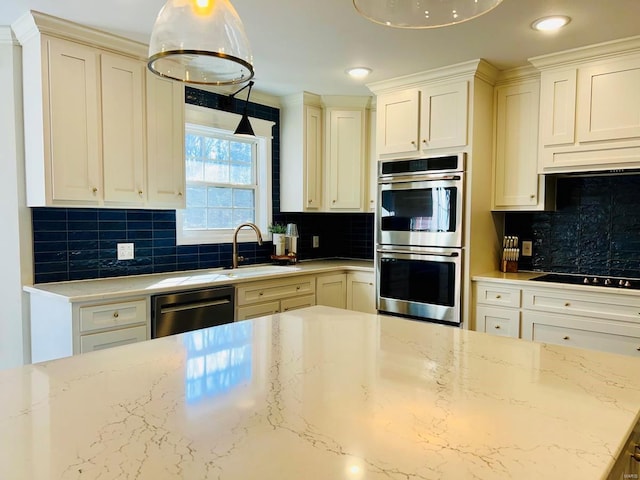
column 498, row 296
column 94, row 189
column 532, row 197
column 566, row 337
column 116, row 314
column 179, row 194
column 140, row 192
column 285, row 309
column 567, row 304
column 298, row 287
column 424, row 141
column 333, row 201
column 260, row 294
column 371, row 283
column 497, row 327
column 370, row 201
column 638, row 349
column 310, row 201
column 413, row 143
column 635, row 455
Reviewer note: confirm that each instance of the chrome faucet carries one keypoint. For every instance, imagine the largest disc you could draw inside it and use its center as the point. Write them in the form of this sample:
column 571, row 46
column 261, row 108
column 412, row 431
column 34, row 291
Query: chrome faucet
column 235, row 257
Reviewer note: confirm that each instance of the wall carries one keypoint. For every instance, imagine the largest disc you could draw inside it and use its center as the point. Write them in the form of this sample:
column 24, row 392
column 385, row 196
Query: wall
column 80, row 243
column 15, row 241
column 595, row 229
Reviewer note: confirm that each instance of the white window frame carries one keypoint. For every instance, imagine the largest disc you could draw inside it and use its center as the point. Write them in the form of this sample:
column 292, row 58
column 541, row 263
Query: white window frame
column 226, row 123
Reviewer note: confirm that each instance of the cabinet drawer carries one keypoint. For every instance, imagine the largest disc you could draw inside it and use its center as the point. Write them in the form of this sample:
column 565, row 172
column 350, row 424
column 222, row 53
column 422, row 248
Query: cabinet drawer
column 614, row 306
column 255, row 292
column 503, row 322
column 582, row 333
column 98, row 317
column 113, row 338
column 254, row 311
column 297, row 302
column 496, row 294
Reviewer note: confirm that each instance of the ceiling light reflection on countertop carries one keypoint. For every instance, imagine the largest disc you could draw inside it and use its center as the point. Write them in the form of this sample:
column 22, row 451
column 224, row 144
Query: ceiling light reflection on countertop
column 358, row 72
column 550, row 24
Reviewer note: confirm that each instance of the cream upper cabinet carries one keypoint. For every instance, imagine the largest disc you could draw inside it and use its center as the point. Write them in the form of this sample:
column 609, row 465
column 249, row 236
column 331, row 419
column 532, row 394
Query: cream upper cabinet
column 301, row 154
column 422, row 119
column 123, row 136
column 516, row 183
column 345, row 158
column 64, row 157
column 97, row 132
column 165, row 142
column 590, row 108
column 397, row 122
column 323, row 159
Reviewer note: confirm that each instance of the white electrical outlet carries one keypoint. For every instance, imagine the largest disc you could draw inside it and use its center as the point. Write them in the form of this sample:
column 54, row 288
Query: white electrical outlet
column 527, row 248
column 316, row 241
column 125, row 251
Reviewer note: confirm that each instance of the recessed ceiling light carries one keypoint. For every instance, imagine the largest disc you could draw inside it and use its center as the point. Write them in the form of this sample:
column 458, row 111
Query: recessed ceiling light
column 550, row 24
column 359, row 72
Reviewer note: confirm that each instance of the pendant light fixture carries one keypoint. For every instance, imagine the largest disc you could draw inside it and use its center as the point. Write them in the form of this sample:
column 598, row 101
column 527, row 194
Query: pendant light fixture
column 200, row 42
column 422, row 13
column 244, row 127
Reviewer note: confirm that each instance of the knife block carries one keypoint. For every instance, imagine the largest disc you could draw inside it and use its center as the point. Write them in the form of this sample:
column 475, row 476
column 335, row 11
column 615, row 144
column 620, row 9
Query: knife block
column 509, row 266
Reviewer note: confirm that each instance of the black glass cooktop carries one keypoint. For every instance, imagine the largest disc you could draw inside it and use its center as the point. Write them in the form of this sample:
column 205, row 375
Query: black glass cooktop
column 613, row 282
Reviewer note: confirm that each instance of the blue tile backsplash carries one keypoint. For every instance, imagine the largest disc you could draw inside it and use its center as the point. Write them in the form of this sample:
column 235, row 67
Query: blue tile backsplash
column 80, row 243
column 595, row 229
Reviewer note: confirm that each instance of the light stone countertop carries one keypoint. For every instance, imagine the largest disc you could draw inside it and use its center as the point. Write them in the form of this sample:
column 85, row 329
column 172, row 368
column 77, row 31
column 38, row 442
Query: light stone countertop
column 119, row 287
column 320, row 393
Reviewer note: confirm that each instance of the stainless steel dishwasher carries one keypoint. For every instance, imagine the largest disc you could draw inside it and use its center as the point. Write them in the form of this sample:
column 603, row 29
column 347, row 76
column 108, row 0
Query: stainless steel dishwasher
column 191, row 310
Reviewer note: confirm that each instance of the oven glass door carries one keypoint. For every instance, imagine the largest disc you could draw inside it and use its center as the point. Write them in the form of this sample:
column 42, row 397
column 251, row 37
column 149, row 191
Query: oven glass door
column 426, row 213
column 424, row 285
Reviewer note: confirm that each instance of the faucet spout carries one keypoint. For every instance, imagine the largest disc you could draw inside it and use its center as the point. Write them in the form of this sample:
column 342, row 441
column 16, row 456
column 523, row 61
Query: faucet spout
column 235, row 257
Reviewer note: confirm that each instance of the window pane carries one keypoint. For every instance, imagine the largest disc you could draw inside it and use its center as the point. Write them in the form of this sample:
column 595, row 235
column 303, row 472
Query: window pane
column 243, row 215
column 196, row 196
column 217, row 172
column 194, row 170
column 240, row 152
column 195, row 218
column 219, row 197
column 219, row 218
column 241, row 174
column 193, row 146
column 242, row 198
column 215, row 149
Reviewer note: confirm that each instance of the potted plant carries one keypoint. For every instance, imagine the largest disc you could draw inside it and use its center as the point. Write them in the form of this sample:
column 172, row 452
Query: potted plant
column 278, row 231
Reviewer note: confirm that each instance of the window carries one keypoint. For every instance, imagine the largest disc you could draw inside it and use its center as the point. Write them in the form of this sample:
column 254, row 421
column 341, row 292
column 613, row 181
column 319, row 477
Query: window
column 228, row 178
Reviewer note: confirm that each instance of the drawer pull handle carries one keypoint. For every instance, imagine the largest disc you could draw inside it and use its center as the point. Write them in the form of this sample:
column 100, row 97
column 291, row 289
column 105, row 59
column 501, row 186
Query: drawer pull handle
column 567, row 304
column 261, row 293
column 298, row 287
column 498, row 296
column 566, row 337
column 497, row 327
column 116, row 314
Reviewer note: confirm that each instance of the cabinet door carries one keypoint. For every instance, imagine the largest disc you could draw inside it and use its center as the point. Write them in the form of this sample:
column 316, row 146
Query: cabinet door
column 443, row 116
column 345, row 159
column 73, row 131
column 123, row 133
column 331, row 290
column 516, row 180
column 609, row 101
column 397, row 122
column 313, row 157
column 113, row 338
column 557, row 107
column 165, row 142
column 361, row 294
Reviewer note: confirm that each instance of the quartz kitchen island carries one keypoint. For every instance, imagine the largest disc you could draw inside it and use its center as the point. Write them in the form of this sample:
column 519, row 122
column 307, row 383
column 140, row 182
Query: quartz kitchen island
column 320, row 393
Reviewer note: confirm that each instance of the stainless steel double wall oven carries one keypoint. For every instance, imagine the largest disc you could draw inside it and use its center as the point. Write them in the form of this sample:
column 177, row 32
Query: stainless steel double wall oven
column 419, row 237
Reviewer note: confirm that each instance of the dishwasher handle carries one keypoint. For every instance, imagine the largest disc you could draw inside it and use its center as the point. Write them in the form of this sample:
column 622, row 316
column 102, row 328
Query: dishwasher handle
column 192, row 305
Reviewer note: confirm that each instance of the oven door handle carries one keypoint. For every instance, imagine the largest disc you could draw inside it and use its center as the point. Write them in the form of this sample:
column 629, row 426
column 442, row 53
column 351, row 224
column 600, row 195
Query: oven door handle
column 421, row 252
column 417, row 178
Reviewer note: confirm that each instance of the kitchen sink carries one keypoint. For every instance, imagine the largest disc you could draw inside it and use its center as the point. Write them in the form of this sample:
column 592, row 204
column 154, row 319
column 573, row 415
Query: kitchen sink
column 253, row 271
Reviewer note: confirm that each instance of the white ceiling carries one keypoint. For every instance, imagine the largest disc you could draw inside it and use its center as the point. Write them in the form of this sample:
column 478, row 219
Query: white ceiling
column 308, row 44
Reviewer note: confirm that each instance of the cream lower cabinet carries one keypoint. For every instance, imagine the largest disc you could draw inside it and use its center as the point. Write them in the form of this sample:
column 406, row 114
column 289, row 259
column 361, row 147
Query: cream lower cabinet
column 497, row 309
column 255, row 299
column 60, row 328
column 351, row 290
column 578, row 317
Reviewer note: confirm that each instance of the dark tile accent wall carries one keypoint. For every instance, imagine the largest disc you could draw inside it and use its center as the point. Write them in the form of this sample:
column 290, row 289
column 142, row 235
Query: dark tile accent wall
column 595, row 229
column 80, row 243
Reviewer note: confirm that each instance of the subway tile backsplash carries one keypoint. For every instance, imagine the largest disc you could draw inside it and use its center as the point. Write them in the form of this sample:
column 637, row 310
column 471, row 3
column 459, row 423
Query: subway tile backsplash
column 595, row 229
